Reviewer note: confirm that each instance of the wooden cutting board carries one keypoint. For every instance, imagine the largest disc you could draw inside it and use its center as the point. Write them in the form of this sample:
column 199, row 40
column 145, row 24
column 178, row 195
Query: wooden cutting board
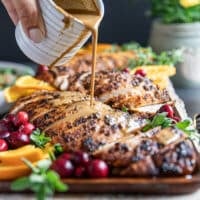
column 170, row 186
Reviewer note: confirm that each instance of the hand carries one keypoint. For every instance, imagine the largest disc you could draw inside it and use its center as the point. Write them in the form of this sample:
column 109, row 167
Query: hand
column 28, row 13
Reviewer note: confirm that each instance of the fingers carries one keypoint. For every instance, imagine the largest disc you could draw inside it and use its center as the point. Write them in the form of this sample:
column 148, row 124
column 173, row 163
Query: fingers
column 28, row 13
column 11, row 11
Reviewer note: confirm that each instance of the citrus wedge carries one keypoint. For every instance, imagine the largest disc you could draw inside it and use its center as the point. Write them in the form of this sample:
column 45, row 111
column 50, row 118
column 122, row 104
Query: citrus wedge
column 12, row 94
column 30, row 82
column 102, row 47
column 159, row 74
column 13, row 157
column 13, row 172
column 162, row 82
column 157, row 71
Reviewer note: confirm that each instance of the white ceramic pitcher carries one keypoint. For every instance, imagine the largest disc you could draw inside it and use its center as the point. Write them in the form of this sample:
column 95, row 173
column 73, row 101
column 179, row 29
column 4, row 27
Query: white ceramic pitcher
column 58, row 36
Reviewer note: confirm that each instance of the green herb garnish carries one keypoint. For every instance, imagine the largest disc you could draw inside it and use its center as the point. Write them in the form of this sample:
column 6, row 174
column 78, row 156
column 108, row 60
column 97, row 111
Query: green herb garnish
column 124, row 109
column 163, row 121
column 168, row 57
column 42, row 181
column 171, row 11
column 58, row 149
column 159, row 120
column 146, row 56
column 131, row 46
column 186, row 126
column 39, row 139
column 114, row 48
column 8, row 76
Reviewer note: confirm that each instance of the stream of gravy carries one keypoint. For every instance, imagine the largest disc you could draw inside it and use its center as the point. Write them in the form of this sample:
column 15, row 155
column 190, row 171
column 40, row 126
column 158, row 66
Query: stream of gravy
column 90, row 21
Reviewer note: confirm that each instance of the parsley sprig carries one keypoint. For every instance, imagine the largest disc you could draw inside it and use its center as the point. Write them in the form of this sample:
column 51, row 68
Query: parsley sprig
column 124, row 109
column 39, row 139
column 146, row 56
column 43, row 181
column 58, row 149
column 186, row 126
column 171, row 11
column 163, row 121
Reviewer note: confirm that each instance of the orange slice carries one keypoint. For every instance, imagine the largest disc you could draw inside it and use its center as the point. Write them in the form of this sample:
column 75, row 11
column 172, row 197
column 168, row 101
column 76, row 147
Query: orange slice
column 30, row 82
column 11, row 165
column 13, row 157
column 14, row 93
column 13, row 172
column 102, row 47
column 162, row 82
column 157, row 71
column 159, row 74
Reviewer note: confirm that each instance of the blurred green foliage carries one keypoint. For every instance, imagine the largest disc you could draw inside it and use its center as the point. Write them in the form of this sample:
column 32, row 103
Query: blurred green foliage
column 171, row 11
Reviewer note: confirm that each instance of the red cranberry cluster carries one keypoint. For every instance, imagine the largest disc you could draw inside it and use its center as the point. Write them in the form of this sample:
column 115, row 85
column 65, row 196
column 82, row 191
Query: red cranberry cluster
column 42, row 69
column 80, row 165
column 170, row 112
column 15, row 131
column 140, row 72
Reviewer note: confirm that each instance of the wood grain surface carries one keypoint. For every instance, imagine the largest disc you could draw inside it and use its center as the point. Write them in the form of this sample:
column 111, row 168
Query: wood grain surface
column 170, row 186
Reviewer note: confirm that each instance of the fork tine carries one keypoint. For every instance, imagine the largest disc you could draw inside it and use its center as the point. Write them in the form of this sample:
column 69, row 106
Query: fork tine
column 197, row 122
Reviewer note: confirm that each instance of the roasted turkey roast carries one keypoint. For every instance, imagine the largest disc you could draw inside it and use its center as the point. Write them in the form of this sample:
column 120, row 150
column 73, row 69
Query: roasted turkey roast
column 112, row 135
column 118, row 89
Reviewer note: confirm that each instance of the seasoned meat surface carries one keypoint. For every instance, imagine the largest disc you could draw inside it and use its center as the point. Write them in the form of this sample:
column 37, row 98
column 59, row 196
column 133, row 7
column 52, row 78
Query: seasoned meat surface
column 70, row 120
column 105, row 61
column 109, row 134
column 120, row 89
column 116, row 88
column 147, row 155
column 58, row 76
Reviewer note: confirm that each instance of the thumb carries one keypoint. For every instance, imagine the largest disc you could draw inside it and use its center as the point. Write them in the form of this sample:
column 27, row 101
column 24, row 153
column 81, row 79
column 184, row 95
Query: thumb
column 29, row 14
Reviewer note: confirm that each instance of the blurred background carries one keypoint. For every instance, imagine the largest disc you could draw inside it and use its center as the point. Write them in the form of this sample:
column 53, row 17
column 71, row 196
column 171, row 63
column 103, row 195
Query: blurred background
column 124, row 21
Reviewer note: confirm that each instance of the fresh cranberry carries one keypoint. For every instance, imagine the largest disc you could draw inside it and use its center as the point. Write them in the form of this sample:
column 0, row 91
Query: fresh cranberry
column 63, row 167
column 176, row 119
column 42, row 68
column 8, row 120
column 81, row 158
column 97, row 169
column 66, row 156
column 3, row 145
column 18, row 139
column 22, row 118
column 4, row 126
column 80, row 172
column 140, row 72
column 10, row 117
column 126, row 70
column 168, row 109
column 27, row 128
column 4, row 134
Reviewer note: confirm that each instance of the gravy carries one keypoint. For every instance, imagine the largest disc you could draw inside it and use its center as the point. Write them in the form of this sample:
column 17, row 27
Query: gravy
column 90, row 21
